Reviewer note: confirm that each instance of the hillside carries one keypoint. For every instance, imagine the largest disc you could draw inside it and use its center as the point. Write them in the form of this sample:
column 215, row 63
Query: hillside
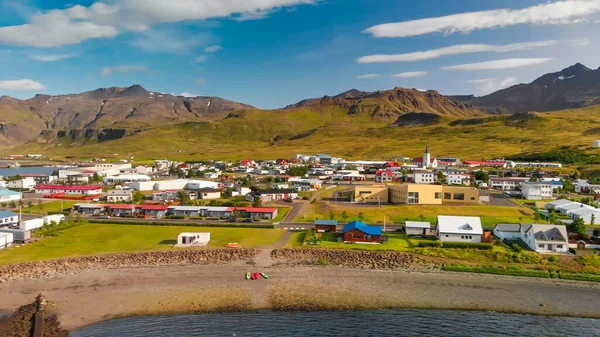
column 104, row 113
column 388, row 105
column 573, row 87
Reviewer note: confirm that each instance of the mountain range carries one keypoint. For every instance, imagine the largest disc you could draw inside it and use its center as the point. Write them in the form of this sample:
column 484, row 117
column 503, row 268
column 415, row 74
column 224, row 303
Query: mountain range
column 53, row 123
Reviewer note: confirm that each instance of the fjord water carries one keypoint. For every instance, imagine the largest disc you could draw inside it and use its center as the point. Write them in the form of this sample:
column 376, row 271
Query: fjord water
column 346, row 323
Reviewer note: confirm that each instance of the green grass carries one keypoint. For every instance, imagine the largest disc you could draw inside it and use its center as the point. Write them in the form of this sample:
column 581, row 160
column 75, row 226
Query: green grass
column 396, row 242
column 94, row 239
column 296, row 240
column 282, row 212
column 490, row 215
column 513, row 271
column 52, row 206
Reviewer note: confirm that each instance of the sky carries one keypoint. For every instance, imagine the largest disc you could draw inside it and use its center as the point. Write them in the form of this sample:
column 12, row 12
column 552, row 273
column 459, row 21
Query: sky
column 272, row 53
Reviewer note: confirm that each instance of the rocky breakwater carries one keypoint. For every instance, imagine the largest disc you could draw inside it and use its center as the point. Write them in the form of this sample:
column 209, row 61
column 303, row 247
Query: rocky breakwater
column 52, row 268
column 348, row 258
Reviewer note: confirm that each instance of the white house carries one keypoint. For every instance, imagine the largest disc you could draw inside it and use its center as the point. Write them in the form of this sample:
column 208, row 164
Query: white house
column 507, row 231
column 8, row 218
column 417, row 228
column 7, row 195
column 67, row 189
column 192, row 239
column 423, row 177
column 211, row 175
column 125, row 178
column 2, row 184
column 459, row 229
column 301, row 184
column 119, row 196
column 553, row 205
column 112, row 166
column 458, row 179
column 208, row 193
column 506, row 184
column 537, row 190
column 23, row 183
column 583, row 186
column 588, row 214
column 546, row 238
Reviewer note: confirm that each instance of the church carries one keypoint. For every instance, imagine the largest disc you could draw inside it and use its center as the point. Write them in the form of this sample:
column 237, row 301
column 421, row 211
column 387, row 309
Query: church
column 426, row 161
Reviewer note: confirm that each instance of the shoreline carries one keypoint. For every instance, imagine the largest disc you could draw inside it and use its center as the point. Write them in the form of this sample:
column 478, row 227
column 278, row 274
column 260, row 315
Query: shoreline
column 93, row 296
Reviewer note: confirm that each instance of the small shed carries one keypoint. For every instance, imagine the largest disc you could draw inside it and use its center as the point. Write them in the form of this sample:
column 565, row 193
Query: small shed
column 192, row 239
column 6, row 239
column 326, row 226
column 417, row 227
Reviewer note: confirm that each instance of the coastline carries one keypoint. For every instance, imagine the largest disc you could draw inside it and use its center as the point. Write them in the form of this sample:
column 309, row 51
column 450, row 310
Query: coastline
column 97, row 295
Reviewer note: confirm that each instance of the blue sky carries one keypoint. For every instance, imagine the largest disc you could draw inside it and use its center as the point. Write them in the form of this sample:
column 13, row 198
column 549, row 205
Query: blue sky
column 271, row 53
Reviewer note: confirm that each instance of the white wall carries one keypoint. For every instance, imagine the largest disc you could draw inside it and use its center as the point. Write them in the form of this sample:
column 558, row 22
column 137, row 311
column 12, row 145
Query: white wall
column 447, row 237
column 506, row 235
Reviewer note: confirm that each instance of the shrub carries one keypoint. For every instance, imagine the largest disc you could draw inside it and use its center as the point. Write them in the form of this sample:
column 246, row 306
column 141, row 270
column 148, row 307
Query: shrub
column 580, row 277
column 467, row 245
column 430, row 244
column 553, row 259
column 322, row 261
column 175, row 217
column 516, row 248
column 513, row 270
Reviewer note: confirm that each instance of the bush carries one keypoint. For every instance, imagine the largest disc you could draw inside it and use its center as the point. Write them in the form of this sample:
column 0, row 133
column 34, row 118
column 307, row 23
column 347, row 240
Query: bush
column 580, row 277
column 175, row 217
column 424, row 244
column 322, row 261
column 516, row 248
column 513, row 271
column 553, row 259
column 467, row 245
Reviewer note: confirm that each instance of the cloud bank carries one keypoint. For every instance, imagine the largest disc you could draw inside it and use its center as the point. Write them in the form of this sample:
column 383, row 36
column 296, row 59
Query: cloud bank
column 498, row 64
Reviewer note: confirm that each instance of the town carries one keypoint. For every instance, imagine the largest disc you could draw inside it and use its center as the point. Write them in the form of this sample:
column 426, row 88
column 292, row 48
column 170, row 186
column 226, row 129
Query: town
column 405, row 204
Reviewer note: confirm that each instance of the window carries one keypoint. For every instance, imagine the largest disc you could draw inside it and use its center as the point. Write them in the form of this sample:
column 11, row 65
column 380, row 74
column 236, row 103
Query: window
column 413, row 197
column 472, row 198
column 541, row 246
column 559, row 246
column 462, row 236
column 459, row 196
column 438, row 195
column 447, row 196
column 446, row 235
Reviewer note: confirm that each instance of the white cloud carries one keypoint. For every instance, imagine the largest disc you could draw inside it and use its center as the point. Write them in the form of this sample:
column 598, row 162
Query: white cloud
column 550, row 13
column 454, row 50
column 411, row 74
column 187, row 94
column 499, row 64
column 367, row 76
column 123, row 69
column 200, row 59
column 200, row 81
column 53, row 57
column 581, row 42
column 168, row 41
column 76, row 24
column 212, row 49
column 21, row 85
column 489, row 85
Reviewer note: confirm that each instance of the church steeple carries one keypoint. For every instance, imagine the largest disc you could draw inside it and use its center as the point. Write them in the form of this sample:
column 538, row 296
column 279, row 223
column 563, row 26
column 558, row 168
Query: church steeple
column 426, row 148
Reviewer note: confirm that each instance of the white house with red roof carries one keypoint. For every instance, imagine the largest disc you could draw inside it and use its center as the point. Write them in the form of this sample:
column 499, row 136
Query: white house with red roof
column 384, row 176
column 426, row 161
column 68, row 189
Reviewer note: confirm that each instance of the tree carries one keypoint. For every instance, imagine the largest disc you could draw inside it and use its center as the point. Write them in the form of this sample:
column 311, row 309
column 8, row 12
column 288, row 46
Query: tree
column 331, row 215
column 270, row 179
column 422, row 217
column 596, row 231
column 552, row 217
column 138, row 198
column 482, row 175
column 297, row 171
column 12, row 204
column 345, row 216
column 184, row 197
column 29, row 203
column 96, row 177
column 536, row 217
column 257, row 203
column 593, row 220
column 361, row 216
column 3, row 205
column 441, row 177
column 578, row 226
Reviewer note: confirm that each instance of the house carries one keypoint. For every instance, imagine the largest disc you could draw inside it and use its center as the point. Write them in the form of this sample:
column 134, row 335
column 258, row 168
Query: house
column 8, row 218
column 417, row 228
column 384, row 176
column 192, row 240
column 81, row 178
column 459, row 229
column 546, row 238
column 359, row 232
column 326, row 226
column 506, row 184
column 477, row 163
column 93, row 209
column 458, row 179
column 125, row 178
column 54, row 189
column 271, row 195
column 537, row 190
column 423, row 177
column 113, row 166
column 211, row 175
column 589, row 215
column 6, row 240
column 254, row 212
column 583, row 186
column 39, row 178
column 151, row 211
column 121, row 210
column 7, row 195
column 324, row 159
column 300, row 184
column 113, row 196
column 508, row 231
column 208, row 193
column 165, row 196
column 23, row 183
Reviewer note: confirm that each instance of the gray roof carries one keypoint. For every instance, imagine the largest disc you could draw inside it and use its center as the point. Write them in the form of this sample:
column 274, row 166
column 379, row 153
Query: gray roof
column 549, row 233
column 507, row 227
column 418, row 224
column 560, row 202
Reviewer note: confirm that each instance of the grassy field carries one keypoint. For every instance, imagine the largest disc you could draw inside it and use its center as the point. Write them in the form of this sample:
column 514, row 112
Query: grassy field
column 282, row 212
column 273, row 134
column 490, row 215
column 52, row 206
column 398, row 242
column 94, row 239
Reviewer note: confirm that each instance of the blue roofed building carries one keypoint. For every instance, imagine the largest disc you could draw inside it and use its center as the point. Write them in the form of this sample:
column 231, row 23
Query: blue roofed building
column 8, row 218
column 359, row 232
column 7, row 195
column 325, row 226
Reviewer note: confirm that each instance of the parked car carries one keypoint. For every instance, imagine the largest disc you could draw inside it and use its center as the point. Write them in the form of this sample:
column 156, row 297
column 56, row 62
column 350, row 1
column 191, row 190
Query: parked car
column 247, row 220
column 105, row 216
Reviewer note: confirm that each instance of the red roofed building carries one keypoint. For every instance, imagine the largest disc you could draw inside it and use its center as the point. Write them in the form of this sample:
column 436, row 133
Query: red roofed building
column 391, row 164
column 247, row 163
column 384, row 176
column 68, row 189
column 426, row 161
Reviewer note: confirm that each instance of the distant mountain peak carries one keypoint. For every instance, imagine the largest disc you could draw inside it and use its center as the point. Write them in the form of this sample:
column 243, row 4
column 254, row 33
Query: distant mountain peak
column 351, row 93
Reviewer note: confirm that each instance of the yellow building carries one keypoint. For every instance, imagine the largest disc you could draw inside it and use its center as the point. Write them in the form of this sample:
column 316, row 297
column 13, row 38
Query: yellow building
column 419, row 194
column 371, row 193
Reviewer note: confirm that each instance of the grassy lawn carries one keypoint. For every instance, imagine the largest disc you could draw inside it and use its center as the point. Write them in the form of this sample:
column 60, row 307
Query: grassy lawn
column 282, row 212
column 93, row 239
column 296, row 240
column 52, row 206
column 396, row 242
column 490, row 215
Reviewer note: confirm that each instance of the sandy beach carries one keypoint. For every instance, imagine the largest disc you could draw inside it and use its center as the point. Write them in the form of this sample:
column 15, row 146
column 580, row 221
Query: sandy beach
column 97, row 295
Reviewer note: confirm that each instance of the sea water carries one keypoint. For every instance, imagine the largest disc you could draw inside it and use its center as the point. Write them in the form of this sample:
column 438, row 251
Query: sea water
column 422, row 323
